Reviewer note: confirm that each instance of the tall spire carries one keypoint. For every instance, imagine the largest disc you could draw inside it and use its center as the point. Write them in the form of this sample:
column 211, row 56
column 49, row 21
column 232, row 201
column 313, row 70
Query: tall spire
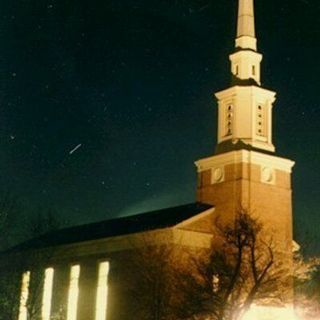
column 245, row 62
column 246, row 36
column 245, row 109
column 246, row 19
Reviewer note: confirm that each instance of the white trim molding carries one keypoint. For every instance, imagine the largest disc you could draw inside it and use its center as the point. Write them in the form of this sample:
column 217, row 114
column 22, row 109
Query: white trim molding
column 245, row 156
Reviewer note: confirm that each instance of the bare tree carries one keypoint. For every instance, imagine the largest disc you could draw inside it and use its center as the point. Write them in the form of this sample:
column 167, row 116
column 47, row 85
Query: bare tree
column 307, row 289
column 9, row 290
column 12, row 265
column 154, row 280
column 43, row 221
column 242, row 268
column 10, row 214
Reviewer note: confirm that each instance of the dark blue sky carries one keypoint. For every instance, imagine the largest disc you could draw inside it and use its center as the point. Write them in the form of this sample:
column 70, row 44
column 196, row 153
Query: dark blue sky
column 132, row 82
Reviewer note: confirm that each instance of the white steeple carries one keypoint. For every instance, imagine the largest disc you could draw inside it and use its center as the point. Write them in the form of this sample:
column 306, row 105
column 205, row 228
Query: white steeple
column 242, row 173
column 245, row 62
column 245, row 109
column 246, row 35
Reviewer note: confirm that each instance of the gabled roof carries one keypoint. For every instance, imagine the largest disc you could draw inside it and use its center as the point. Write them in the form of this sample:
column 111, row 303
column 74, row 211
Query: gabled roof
column 158, row 219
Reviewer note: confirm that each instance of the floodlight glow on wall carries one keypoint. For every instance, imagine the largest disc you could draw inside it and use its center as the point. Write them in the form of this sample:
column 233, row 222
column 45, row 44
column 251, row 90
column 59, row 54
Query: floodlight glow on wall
column 23, row 312
column 102, row 291
column 73, row 293
column 47, row 294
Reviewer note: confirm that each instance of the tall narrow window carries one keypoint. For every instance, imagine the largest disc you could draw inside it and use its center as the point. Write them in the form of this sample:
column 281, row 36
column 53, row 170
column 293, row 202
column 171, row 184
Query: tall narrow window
column 47, row 294
column 237, row 70
column 23, row 313
column 253, row 70
column 228, row 120
column 102, row 291
column 73, row 293
column 260, row 121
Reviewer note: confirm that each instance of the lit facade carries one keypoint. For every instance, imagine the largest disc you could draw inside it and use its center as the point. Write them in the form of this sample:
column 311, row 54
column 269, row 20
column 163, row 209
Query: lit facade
column 84, row 275
column 87, row 279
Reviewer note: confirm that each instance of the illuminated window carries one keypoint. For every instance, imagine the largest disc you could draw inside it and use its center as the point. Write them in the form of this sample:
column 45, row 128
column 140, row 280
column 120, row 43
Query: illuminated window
column 102, row 291
column 23, row 313
column 47, row 294
column 228, row 120
column 73, row 293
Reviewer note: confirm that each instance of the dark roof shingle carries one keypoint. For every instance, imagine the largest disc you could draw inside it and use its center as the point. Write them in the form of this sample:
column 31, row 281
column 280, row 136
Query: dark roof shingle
column 116, row 227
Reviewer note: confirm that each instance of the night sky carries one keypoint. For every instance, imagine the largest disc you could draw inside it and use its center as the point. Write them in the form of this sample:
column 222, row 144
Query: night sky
column 105, row 105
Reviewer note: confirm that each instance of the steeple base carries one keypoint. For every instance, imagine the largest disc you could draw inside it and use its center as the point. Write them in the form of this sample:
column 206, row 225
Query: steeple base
column 257, row 182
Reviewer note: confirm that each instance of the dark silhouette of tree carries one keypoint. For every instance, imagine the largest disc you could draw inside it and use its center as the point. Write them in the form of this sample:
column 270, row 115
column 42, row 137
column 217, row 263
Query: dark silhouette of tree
column 43, row 221
column 10, row 215
column 152, row 282
column 10, row 212
column 307, row 288
column 13, row 265
column 243, row 267
column 9, row 291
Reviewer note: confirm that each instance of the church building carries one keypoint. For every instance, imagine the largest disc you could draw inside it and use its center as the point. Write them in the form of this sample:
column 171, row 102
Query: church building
column 85, row 269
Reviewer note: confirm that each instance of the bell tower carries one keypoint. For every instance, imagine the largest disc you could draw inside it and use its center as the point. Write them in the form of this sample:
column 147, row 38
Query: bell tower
column 244, row 170
column 245, row 109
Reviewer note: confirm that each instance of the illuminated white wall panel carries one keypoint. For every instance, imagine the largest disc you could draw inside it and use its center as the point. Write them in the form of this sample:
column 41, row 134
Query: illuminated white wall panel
column 23, row 313
column 73, row 293
column 47, row 294
column 102, row 291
